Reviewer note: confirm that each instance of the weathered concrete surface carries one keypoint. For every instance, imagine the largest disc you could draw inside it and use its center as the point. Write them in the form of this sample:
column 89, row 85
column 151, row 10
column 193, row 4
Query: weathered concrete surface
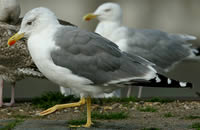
column 62, row 125
column 4, row 123
column 42, row 125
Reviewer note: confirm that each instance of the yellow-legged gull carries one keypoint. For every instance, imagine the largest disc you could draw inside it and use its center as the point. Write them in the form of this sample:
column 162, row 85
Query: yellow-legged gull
column 163, row 49
column 83, row 61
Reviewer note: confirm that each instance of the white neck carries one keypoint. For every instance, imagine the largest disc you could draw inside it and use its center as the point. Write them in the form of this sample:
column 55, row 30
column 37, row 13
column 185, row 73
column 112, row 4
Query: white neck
column 40, row 45
column 105, row 28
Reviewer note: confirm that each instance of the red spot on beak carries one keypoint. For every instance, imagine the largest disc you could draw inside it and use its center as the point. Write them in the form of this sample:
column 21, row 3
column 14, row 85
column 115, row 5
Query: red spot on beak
column 12, row 43
column 88, row 19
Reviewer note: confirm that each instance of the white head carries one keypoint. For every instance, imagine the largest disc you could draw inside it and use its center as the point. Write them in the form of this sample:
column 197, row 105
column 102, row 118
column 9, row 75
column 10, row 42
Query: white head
column 106, row 12
column 37, row 19
column 34, row 21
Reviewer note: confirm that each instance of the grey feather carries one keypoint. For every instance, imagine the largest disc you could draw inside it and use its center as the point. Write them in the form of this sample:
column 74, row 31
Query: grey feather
column 94, row 57
column 163, row 49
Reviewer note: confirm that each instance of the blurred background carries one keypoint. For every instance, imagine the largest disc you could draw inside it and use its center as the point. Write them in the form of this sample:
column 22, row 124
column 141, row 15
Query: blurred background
column 174, row 16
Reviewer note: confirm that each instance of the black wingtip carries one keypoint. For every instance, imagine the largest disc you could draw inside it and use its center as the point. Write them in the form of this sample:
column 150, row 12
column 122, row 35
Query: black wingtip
column 161, row 81
column 189, row 85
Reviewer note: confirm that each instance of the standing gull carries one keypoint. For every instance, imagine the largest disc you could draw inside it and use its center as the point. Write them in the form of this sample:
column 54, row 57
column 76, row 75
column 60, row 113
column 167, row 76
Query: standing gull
column 83, row 61
column 163, row 49
column 9, row 11
column 15, row 63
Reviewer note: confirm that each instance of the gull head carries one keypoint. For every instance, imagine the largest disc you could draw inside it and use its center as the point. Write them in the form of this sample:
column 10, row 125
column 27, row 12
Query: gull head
column 33, row 22
column 106, row 12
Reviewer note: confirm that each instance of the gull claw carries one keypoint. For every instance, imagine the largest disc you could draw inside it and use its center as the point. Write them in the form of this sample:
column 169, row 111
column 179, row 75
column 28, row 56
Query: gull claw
column 87, row 125
column 48, row 111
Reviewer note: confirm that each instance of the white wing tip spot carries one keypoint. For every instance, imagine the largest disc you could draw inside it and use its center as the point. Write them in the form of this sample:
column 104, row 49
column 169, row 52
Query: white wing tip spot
column 169, row 81
column 183, row 84
column 157, row 79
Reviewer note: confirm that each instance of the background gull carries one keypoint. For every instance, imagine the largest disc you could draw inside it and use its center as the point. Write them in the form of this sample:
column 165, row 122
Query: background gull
column 9, row 11
column 84, row 61
column 163, row 49
column 15, row 62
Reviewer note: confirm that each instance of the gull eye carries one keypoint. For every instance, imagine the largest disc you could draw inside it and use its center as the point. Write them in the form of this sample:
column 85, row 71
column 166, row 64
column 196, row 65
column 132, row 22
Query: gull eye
column 107, row 10
column 29, row 23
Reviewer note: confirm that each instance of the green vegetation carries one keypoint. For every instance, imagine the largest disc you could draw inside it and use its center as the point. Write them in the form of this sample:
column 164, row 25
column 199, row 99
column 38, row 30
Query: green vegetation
column 192, row 117
column 147, row 109
column 12, row 124
column 158, row 99
column 152, row 128
column 196, row 126
column 109, row 115
column 50, row 99
column 18, row 116
column 169, row 114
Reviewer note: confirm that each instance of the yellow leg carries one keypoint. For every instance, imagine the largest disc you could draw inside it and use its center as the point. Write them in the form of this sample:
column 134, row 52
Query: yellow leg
column 89, row 121
column 61, row 106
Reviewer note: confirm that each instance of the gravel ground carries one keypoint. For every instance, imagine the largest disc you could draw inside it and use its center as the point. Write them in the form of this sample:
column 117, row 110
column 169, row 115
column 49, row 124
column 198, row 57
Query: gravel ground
column 155, row 115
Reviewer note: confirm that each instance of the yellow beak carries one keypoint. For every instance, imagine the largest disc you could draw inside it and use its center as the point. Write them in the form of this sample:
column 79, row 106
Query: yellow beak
column 89, row 16
column 15, row 38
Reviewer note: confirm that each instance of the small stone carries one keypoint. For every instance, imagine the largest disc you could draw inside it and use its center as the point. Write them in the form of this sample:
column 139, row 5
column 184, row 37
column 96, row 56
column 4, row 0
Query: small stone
column 120, row 106
column 37, row 113
column 186, row 107
column 65, row 110
column 10, row 113
column 115, row 105
column 156, row 103
column 133, row 108
column 130, row 102
column 95, row 107
column 57, row 112
column 141, row 102
column 4, row 110
column 21, row 110
column 148, row 104
column 76, row 111
column 125, row 108
column 107, row 108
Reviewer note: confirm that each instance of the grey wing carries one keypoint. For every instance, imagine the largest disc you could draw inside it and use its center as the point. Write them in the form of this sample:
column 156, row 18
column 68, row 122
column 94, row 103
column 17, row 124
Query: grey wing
column 159, row 47
column 92, row 56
